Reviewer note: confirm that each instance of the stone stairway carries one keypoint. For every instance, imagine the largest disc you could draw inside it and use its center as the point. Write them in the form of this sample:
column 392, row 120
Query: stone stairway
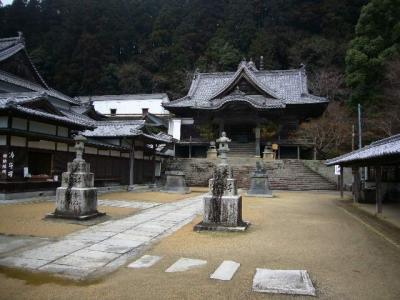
column 294, row 175
column 242, row 149
column 287, row 174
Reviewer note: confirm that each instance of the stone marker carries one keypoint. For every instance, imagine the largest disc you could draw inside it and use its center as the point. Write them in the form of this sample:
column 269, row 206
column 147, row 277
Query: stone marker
column 259, row 184
column 294, row 282
column 175, row 183
column 223, row 205
column 145, row 261
column 212, row 151
column 226, row 270
column 77, row 196
column 184, row 264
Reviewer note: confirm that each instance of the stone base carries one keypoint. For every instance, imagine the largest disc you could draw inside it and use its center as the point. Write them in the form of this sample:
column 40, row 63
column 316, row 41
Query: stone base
column 186, row 190
column 260, row 195
column 73, row 217
column 212, row 154
column 218, row 227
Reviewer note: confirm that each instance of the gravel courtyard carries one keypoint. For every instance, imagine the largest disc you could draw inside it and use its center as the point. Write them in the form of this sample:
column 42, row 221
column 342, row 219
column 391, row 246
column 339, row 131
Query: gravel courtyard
column 347, row 255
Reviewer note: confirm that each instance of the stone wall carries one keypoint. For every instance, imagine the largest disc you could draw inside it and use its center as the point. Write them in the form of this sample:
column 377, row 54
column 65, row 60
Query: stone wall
column 328, row 173
column 283, row 174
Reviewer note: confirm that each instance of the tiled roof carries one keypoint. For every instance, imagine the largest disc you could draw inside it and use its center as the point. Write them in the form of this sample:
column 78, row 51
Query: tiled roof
column 10, row 46
column 379, row 149
column 288, row 86
column 16, row 102
column 117, row 128
column 129, row 97
column 125, row 128
column 7, row 77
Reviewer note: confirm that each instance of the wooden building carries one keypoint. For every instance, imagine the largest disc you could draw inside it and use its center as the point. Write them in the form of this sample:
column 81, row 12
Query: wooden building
column 255, row 107
column 37, row 125
column 381, row 181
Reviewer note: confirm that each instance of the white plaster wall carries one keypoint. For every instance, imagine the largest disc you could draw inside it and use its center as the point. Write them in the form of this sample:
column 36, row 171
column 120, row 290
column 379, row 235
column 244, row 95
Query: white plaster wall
column 115, row 153
column 18, row 141
column 90, row 150
column 3, row 122
column 62, row 147
column 130, row 107
column 3, row 140
column 42, row 127
column 42, row 145
column 62, row 131
column 19, row 123
column 125, row 155
column 104, row 152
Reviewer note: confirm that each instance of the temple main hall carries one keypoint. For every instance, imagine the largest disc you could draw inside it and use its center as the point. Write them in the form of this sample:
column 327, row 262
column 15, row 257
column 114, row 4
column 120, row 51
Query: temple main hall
column 255, row 107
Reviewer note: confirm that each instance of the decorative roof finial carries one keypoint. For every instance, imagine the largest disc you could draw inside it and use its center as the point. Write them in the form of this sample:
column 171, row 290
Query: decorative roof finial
column 261, row 63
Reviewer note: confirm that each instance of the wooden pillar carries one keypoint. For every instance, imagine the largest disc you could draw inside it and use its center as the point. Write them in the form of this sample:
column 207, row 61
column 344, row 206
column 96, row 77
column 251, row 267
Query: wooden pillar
column 298, row 152
column 131, row 164
column 315, row 150
column 221, row 127
column 356, row 184
column 190, row 147
column 378, row 180
column 258, row 134
column 341, row 182
column 154, row 164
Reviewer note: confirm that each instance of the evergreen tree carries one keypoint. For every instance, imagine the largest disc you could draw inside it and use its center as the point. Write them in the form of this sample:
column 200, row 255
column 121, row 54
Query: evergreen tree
column 377, row 41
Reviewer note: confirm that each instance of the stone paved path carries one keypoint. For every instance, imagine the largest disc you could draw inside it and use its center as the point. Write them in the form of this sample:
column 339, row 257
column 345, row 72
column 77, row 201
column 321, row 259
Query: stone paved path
column 104, row 247
column 127, row 204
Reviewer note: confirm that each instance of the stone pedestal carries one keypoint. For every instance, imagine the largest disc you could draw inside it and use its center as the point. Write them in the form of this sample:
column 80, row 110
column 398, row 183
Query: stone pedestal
column 223, row 205
column 212, row 151
column 268, row 154
column 77, row 196
column 175, row 183
column 259, row 184
column 212, row 154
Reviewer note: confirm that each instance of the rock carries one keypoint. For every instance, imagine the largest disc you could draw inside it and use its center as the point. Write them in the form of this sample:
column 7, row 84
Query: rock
column 294, row 282
column 145, row 261
column 226, row 270
column 184, row 264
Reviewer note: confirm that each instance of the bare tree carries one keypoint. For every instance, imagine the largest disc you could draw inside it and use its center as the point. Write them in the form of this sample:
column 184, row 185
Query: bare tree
column 331, row 132
column 328, row 83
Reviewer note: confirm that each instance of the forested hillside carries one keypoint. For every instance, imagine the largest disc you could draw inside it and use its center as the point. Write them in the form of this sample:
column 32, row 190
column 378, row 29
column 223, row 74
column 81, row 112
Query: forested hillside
column 140, row 46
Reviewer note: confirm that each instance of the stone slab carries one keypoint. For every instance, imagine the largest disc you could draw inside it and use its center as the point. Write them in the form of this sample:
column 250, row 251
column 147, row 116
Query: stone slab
column 114, row 245
column 23, row 262
column 260, row 195
column 184, row 264
column 12, row 243
column 226, row 270
column 294, row 282
column 145, row 261
column 87, row 259
column 216, row 227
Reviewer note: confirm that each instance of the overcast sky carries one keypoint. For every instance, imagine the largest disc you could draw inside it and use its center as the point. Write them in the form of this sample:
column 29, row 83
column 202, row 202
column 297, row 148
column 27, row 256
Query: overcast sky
column 7, row 1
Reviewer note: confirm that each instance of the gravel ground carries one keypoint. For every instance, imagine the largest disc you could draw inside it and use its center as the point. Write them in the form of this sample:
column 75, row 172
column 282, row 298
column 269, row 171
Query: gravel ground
column 27, row 219
column 304, row 230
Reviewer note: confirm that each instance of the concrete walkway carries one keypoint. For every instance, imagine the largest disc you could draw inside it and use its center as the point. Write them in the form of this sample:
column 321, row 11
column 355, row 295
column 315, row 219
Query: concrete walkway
column 103, row 248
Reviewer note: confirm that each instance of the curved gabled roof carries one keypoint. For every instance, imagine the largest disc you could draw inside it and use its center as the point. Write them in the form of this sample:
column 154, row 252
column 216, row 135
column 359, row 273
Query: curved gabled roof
column 377, row 150
column 289, row 86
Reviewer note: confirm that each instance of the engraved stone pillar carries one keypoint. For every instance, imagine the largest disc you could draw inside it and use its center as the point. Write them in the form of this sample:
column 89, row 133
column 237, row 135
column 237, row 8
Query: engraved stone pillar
column 223, row 205
column 77, row 196
column 259, row 184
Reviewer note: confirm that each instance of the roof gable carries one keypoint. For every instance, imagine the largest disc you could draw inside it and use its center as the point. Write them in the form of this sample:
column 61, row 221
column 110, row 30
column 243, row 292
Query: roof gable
column 245, row 73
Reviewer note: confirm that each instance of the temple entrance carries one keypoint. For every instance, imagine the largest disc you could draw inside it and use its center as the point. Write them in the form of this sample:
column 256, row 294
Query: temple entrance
column 240, row 133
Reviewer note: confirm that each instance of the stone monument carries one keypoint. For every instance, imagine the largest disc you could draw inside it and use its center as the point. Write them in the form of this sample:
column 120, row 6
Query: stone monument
column 259, row 184
column 212, row 151
column 175, row 183
column 223, row 205
column 268, row 153
column 77, row 196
